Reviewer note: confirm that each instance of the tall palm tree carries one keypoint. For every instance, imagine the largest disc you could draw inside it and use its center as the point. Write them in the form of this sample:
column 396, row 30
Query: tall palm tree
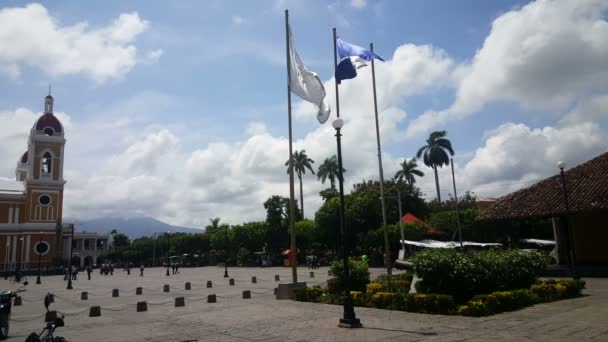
column 329, row 170
column 408, row 171
column 435, row 154
column 301, row 162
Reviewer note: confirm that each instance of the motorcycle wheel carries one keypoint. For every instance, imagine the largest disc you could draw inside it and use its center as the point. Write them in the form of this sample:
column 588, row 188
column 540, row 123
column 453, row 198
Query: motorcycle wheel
column 33, row 338
column 4, row 319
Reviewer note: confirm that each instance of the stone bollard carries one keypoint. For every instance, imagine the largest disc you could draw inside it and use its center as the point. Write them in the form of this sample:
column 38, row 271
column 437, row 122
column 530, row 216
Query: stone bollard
column 50, row 316
column 95, row 311
column 211, row 298
column 17, row 301
column 231, row 282
column 276, row 291
column 188, row 286
column 209, row 284
column 276, row 277
column 115, row 293
column 84, row 295
column 312, row 274
column 138, row 291
column 179, row 302
column 254, row 280
column 165, row 288
column 142, row 306
column 246, row 294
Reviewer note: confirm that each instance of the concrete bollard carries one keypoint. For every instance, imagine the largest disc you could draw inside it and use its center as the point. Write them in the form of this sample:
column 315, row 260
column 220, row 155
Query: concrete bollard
column 211, row 298
column 276, row 291
column 50, row 316
column 329, row 273
column 142, row 306
column 84, row 295
column 254, row 280
column 231, row 281
column 246, row 294
column 209, row 284
column 115, row 293
column 312, row 274
column 276, row 277
column 95, row 311
column 179, row 302
column 17, row 301
column 165, row 288
column 51, row 298
column 188, row 286
column 138, row 291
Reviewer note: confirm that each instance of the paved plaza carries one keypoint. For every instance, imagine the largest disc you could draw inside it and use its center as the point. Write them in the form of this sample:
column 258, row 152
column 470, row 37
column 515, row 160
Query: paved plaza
column 263, row 318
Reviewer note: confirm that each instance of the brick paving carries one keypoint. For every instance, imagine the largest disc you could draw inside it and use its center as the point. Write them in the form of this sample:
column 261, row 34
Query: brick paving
column 263, row 318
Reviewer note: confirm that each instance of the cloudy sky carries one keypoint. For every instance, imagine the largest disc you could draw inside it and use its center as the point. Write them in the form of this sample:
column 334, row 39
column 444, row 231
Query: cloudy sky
column 177, row 110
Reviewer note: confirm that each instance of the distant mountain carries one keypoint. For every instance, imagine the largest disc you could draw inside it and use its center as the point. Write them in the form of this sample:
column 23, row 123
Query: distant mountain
column 134, row 227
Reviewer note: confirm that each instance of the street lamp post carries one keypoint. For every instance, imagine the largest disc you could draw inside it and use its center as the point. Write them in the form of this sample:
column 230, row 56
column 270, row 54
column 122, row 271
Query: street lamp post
column 349, row 320
column 561, row 165
column 167, row 255
column 70, row 262
column 18, row 268
column 154, row 250
column 39, row 254
column 226, row 260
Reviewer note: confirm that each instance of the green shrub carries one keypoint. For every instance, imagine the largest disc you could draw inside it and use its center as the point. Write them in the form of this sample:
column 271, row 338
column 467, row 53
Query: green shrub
column 431, row 303
column 359, row 276
column 401, row 276
column 466, row 274
column 309, row 294
column 373, row 288
column 550, row 290
column 399, row 282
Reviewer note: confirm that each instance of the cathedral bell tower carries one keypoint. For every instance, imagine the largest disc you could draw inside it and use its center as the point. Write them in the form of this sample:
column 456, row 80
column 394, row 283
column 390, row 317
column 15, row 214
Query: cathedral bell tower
column 44, row 177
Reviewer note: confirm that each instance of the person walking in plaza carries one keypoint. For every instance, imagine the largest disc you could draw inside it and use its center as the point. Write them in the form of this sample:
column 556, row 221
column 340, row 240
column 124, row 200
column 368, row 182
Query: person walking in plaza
column 89, row 270
column 141, row 270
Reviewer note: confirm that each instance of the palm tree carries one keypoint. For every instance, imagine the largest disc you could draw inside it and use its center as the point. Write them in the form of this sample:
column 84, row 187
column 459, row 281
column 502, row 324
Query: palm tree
column 435, row 154
column 408, row 171
column 301, row 162
column 214, row 225
column 329, row 170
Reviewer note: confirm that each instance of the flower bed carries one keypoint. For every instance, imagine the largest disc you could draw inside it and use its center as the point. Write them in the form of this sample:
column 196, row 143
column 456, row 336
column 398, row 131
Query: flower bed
column 377, row 296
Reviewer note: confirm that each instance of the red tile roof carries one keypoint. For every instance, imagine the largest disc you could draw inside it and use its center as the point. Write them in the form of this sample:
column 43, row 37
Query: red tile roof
column 411, row 218
column 586, row 185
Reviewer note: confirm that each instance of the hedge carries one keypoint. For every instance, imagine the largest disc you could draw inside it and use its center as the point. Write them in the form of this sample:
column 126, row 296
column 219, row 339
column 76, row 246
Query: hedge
column 465, row 274
column 542, row 291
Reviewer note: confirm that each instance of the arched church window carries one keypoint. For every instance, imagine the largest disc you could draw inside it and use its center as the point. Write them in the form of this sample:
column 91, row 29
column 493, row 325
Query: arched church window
column 47, row 163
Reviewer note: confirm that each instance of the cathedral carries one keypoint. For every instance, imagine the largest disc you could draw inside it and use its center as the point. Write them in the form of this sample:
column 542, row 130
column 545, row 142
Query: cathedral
column 31, row 228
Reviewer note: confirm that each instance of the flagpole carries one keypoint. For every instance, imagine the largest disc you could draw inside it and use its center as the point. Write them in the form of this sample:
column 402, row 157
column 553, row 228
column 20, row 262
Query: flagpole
column 456, row 200
column 387, row 250
column 292, row 228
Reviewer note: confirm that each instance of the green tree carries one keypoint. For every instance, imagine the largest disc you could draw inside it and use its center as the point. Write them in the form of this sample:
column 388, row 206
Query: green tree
column 435, row 154
column 408, row 171
column 120, row 240
column 214, row 225
column 300, row 162
column 329, row 170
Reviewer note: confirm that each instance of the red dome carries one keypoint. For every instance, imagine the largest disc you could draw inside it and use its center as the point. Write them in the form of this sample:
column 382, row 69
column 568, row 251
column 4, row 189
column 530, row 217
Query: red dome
column 48, row 120
column 24, row 158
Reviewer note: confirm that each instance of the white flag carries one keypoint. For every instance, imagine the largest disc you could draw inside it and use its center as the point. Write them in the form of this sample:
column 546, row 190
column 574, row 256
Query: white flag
column 307, row 84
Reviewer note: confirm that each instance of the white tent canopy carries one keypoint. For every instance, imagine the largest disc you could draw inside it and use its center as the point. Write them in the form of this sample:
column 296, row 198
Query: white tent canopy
column 448, row 244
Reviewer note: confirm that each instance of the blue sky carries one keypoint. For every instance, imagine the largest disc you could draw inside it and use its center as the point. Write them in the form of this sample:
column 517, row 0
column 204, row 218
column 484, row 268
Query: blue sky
column 210, row 77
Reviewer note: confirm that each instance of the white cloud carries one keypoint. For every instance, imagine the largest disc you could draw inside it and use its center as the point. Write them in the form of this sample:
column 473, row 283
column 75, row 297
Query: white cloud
column 238, row 20
column 30, row 36
column 543, row 56
column 358, row 4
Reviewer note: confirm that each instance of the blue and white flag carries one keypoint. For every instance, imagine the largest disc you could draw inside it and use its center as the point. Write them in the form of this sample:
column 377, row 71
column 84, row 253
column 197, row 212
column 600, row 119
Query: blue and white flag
column 352, row 57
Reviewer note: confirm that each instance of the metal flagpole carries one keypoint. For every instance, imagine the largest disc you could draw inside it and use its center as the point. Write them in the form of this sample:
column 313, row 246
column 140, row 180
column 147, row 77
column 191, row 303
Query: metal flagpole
column 292, row 226
column 349, row 319
column 456, row 199
column 387, row 249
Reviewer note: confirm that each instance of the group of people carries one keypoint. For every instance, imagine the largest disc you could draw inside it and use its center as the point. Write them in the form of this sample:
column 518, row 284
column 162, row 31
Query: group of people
column 312, row 261
column 106, row 269
column 175, row 267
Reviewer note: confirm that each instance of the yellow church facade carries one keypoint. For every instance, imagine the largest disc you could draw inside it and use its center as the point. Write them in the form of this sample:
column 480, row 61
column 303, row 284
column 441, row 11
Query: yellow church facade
column 31, row 228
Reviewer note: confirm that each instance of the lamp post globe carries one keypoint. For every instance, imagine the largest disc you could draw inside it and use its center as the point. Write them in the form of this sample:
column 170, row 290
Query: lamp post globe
column 338, row 123
column 561, row 165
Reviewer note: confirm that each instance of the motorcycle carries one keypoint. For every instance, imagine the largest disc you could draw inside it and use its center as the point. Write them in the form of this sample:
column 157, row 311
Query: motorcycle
column 47, row 333
column 6, row 303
